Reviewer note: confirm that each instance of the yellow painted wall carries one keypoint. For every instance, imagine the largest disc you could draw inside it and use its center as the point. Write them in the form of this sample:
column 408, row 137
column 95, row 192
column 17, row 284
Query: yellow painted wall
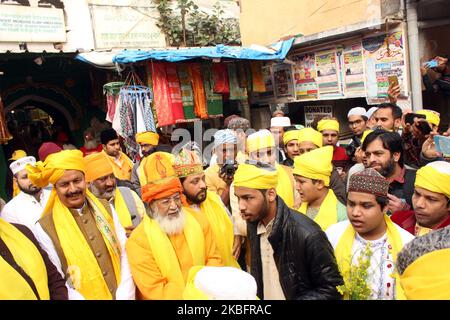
column 266, row 21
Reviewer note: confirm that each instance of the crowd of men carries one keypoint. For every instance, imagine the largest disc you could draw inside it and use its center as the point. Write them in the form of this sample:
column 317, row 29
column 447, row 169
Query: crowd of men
column 281, row 213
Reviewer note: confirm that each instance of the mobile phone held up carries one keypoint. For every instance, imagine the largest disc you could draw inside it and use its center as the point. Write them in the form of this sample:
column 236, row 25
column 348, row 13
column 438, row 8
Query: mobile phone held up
column 431, row 64
column 393, row 80
column 442, row 145
column 409, row 118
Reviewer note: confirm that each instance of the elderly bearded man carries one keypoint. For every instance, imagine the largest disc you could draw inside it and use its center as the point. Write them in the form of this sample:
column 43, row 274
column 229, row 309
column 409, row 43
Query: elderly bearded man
column 81, row 234
column 169, row 241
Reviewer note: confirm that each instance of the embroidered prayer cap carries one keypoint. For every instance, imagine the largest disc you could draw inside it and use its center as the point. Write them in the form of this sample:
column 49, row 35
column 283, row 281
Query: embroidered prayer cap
column 224, row 136
column 432, row 116
column 97, row 166
column 147, row 137
column 434, row 177
column 21, row 164
column 107, row 135
column 187, row 162
column 238, row 123
column 219, row 283
column 290, row 135
column 370, row 112
column 311, row 135
column 315, row 164
column 261, row 139
column 369, row 181
column 48, row 148
column 328, row 124
column 280, row 122
column 358, row 111
column 228, row 119
column 18, row 154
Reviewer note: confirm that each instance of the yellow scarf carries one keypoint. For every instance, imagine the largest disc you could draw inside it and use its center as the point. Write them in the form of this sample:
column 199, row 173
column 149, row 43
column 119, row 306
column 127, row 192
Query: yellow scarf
column 122, row 210
column 285, row 189
column 344, row 247
column 428, row 277
column 84, row 270
column 13, row 285
column 221, row 226
column 164, row 254
column 327, row 212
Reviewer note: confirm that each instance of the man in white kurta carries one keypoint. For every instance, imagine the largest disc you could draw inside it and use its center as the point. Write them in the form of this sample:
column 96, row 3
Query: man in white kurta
column 26, row 208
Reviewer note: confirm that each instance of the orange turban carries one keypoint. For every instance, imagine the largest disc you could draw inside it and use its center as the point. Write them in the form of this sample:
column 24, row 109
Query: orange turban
column 97, row 166
column 160, row 178
column 147, row 137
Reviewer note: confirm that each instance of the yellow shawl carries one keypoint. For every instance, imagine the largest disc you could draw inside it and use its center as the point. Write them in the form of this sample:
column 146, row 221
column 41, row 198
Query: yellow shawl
column 344, row 247
column 164, row 253
column 122, row 209
column 13, row 285
column 328, row 214
column 285, row 188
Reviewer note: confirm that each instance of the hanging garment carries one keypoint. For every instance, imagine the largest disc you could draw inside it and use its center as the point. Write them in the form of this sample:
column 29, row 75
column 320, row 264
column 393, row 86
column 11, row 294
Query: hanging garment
column 213, row 100
column 257, row 76
column 220, row 78
column 187, row 94
column 195, row 73
column 175, row 91
column 242, row 73
column 111, row 90
column 236, row 92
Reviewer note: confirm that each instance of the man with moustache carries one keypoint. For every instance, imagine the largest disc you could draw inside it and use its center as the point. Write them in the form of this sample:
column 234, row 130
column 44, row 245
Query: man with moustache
column 368, row 228
column 169, row 240
column 291, row 257
column 384, row 153
column 81, row 234
column 26, row 208
column 203, row 204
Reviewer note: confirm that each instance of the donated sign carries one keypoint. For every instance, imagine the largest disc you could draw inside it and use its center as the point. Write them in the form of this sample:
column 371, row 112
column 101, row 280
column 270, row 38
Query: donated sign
column 313, row 111
column 27, row 24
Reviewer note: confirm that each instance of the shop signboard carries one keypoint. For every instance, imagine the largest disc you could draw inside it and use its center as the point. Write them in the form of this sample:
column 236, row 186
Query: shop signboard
column 313, row 111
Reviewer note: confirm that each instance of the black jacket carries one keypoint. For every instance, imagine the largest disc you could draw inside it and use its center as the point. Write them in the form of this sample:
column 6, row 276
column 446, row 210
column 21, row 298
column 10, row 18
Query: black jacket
column 303, row 255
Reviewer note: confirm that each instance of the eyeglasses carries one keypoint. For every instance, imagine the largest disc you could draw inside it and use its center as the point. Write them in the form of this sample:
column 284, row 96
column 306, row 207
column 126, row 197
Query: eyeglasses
column 167, row 201
column 354, row 123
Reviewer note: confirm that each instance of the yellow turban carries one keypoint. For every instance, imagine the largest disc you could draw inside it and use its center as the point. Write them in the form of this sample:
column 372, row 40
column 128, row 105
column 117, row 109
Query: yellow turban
column 54, row 166
column 365, row 134
column 97, row 166
column 260, row 140
column 434, row 177
column 309, row 134
column 432, row 117
column 428, row 277
column 18, row 154
column 290, row 135
column 328, row 124
column 250, row 176
column 315, row 164
column 147, row 137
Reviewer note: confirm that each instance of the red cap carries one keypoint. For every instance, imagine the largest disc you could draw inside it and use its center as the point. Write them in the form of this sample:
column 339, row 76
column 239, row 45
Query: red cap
column 46, row 149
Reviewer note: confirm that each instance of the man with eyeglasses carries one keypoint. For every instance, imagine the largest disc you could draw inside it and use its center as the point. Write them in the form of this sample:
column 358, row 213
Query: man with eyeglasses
column 357, row 121
column 169, row 240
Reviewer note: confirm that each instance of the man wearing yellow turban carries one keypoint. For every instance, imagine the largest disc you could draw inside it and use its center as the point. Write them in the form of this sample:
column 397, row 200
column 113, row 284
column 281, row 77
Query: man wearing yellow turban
column 169, row 240
column 102, row 183
column 431, row 200
column 148, row 142
column 367, row 244
column 290, row 143
column 204, row 204
column 81, row 234
column 285, row 245
column 310, row 139
column 312, row 173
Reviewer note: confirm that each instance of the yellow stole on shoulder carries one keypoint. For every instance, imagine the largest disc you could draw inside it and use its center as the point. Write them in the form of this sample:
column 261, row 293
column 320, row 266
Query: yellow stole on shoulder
column 344, row 247
column 27, row 256
column 122, row 209
column 328, row 214
column 164, row 253
column 83, row 268
column 285, row 188
column 221, row 226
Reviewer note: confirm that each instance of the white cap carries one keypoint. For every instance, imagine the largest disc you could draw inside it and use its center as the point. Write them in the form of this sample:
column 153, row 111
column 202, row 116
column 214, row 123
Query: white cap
column 20, row 164
column 358, row 111
column 280, row 122
column 441, row 166
column 226, row 283
column 370, row 112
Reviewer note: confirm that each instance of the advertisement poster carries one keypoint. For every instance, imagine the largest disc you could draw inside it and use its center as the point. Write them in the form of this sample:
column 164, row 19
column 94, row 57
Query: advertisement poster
column 268, row 83
column 282, row 78
column 384, row 56
column 327, row 67
column 305, row 77
column 353, row 71
column 313, row 111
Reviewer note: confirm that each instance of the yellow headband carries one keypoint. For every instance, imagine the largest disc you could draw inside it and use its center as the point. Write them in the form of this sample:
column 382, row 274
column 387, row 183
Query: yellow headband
column 97, row 166
column 290, row 135
column 311, row 135
column 328, row 124
column 252, row 177
column 147, row 137
column 428, row 277
column 431, row 116
column 260, row 140
column 431, row 179
column 315, row 164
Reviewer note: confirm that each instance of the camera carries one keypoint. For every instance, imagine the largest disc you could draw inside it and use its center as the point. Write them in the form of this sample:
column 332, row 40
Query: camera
column 350, row 150
column 229, row 168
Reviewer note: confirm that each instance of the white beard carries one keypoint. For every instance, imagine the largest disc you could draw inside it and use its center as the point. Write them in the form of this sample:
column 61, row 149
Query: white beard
column 171, row 226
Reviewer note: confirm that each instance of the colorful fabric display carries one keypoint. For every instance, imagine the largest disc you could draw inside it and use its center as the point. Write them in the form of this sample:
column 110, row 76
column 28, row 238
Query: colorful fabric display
column 187, row 94
column 213, row 100
column 236, row 92
column 200, row 107
column 220, row 78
